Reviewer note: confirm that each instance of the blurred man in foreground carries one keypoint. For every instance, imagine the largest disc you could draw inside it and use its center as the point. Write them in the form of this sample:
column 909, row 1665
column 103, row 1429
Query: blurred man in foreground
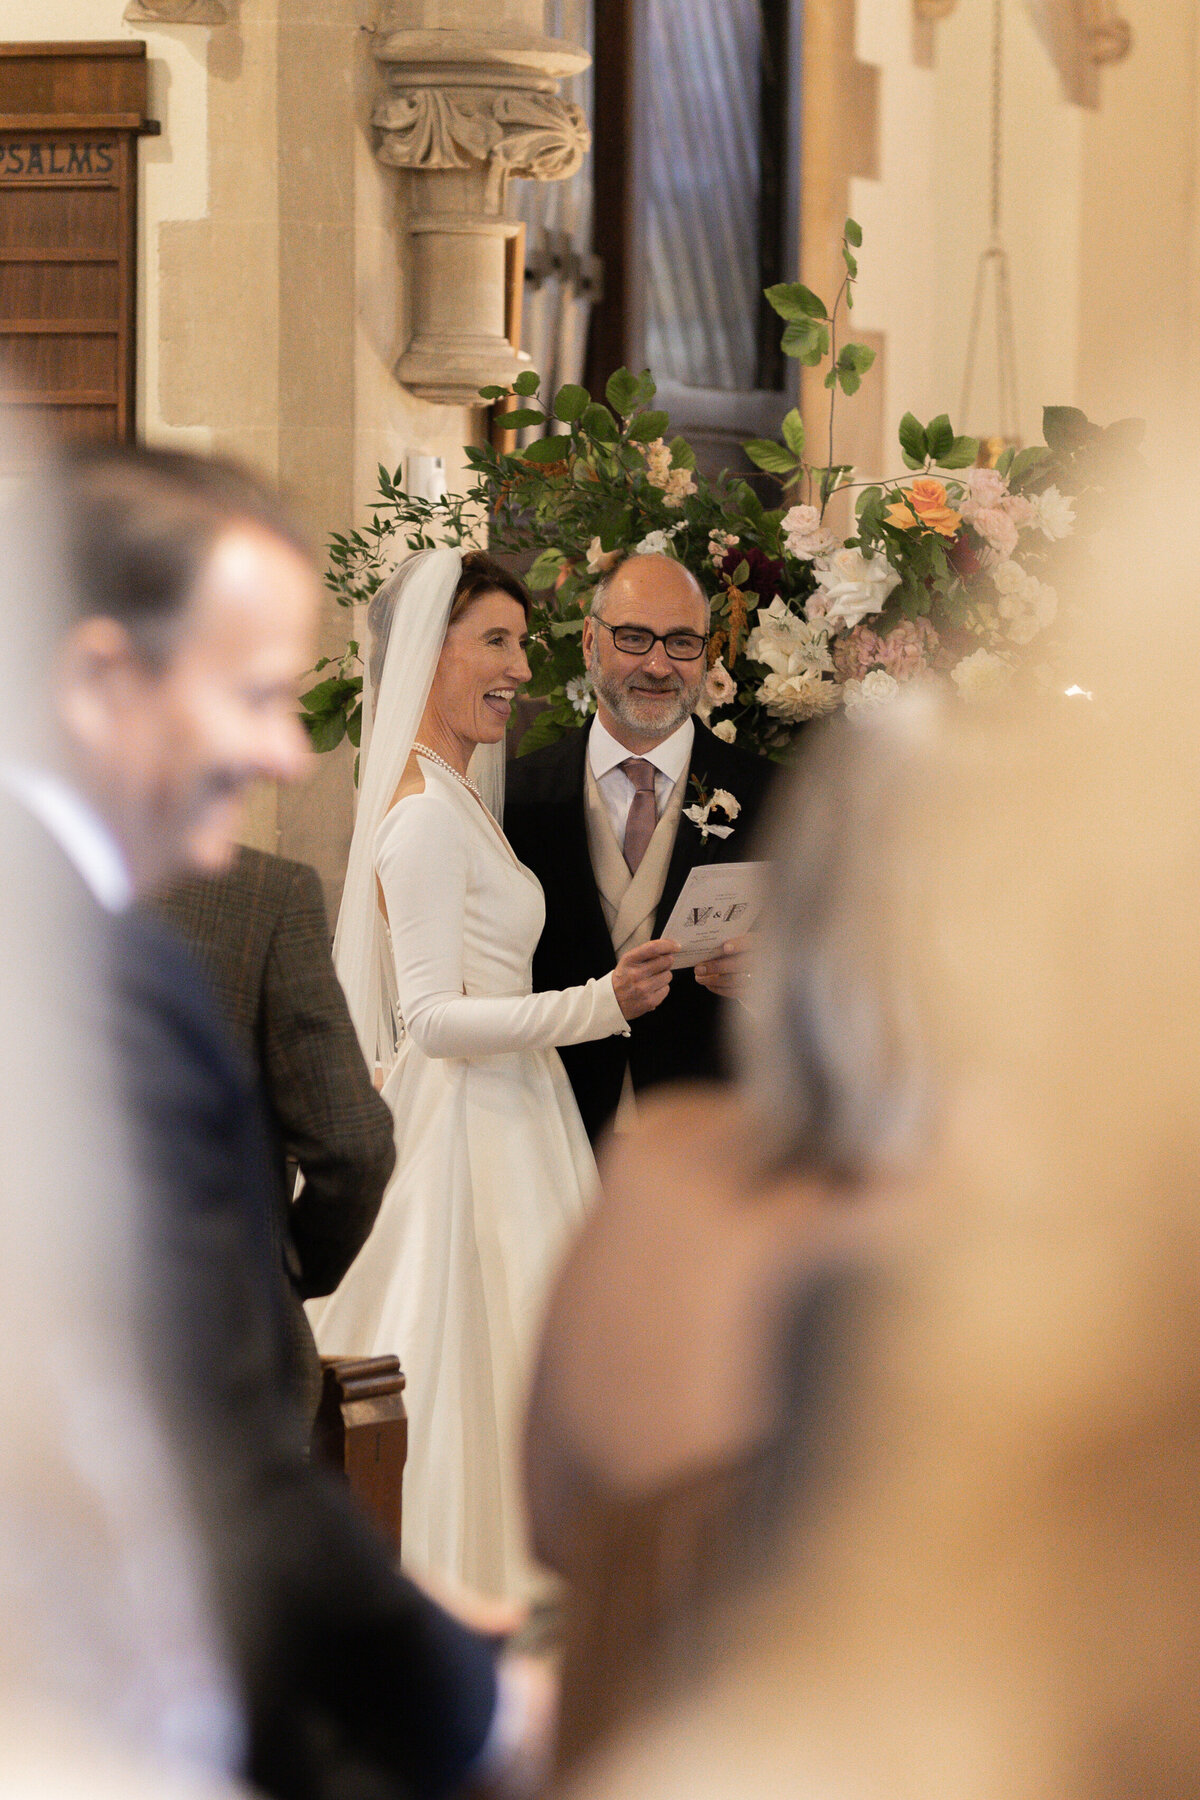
column 173, row 689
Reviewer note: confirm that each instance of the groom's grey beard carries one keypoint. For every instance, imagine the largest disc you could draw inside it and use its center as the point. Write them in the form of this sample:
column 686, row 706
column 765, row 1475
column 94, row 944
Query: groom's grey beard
column 634, row 711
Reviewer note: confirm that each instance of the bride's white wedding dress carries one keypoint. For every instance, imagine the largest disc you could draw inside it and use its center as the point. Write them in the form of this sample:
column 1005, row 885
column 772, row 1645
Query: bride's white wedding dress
column 493, row 1172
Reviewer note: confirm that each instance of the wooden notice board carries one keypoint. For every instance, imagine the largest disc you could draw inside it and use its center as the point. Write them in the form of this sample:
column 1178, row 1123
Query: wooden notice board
column 70, row 119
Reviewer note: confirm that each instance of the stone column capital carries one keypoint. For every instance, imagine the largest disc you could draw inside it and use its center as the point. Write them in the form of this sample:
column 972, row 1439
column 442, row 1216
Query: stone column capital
column 465, row 109
column 505, row 131
column 177, row 12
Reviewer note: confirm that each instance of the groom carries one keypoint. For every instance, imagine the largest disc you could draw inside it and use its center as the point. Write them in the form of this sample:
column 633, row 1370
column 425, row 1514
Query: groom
column 598, row 817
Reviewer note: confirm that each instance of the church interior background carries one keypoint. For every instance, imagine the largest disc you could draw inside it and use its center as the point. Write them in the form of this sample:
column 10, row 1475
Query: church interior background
column 328, row 259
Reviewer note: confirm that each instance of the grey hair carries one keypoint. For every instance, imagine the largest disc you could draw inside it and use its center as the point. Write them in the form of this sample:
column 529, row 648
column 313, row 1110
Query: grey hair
column 832, row 1059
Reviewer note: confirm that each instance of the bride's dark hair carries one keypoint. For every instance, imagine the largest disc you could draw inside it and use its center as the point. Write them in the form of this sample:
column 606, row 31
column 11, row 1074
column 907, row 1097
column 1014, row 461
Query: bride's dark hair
column 481, row 575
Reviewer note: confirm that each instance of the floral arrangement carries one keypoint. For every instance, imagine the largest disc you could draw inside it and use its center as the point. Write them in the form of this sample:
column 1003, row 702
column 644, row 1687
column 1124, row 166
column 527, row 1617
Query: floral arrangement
column 953, row 570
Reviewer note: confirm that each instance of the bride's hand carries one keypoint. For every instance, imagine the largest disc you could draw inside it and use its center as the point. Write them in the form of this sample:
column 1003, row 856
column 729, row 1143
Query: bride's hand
column 643, row 976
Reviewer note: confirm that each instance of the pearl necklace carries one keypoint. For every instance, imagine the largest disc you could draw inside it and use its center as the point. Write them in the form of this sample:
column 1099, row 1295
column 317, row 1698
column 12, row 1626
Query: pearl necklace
column 463, row 780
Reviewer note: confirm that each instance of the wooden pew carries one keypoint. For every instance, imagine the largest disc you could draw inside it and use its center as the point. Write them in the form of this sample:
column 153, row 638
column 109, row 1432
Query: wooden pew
column 362, row 1431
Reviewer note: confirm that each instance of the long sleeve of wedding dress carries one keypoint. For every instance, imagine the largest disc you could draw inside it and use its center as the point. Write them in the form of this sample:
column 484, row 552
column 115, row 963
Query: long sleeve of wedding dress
column 450, row 906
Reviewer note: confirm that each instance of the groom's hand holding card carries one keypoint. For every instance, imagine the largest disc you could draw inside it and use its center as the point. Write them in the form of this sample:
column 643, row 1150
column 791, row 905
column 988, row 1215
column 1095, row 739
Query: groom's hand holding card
column 719, row 904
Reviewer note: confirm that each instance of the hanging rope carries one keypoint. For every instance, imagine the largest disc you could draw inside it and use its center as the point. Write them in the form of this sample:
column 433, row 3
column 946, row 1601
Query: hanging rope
column 993, row 269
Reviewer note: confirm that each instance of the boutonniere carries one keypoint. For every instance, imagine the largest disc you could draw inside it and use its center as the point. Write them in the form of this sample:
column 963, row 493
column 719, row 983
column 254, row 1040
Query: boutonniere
column 719, row 801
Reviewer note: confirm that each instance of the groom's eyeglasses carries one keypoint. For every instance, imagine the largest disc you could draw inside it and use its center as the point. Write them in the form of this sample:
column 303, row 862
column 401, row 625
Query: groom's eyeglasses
column 639, row 640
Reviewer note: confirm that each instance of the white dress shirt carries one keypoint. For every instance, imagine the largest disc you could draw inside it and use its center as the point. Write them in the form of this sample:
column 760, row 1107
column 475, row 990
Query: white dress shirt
column 670, row 759
column 76, row 828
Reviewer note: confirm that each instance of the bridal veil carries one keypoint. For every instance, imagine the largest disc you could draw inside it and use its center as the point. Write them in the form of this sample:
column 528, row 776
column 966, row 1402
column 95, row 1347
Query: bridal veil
column 407, row 622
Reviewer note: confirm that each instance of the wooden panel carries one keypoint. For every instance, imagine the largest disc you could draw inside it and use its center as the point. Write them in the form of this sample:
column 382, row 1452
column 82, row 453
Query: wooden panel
column 59, row 290
column 70, row 115
column 80, row 423
column 59, row 218
column 79, row 80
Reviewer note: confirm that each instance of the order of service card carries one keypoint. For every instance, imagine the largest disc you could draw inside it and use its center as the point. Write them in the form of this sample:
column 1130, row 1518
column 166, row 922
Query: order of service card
column 719, row 901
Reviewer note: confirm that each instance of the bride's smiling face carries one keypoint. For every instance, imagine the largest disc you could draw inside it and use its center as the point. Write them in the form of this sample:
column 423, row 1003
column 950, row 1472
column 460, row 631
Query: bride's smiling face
column 481, row 666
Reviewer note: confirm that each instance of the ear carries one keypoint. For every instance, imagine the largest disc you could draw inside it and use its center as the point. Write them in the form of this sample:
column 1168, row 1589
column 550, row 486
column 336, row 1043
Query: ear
column 97, row 674
column 588, row 638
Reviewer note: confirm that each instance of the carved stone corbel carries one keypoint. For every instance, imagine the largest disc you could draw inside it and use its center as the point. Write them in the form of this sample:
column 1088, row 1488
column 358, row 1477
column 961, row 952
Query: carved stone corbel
column 466, row 109
column 177, row 12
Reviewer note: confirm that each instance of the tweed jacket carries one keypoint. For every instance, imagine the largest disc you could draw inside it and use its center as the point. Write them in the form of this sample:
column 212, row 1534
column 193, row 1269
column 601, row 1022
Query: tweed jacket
column 545, row 816
column 261, row 933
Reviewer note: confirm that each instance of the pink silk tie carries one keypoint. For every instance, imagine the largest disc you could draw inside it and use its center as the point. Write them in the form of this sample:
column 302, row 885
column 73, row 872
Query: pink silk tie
column 643, row 812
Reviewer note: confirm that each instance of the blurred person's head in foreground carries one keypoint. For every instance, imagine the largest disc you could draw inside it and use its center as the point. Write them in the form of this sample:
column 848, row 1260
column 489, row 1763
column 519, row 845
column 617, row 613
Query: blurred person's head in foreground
column 106, row 1646
column 193, row 621
column 990, row 1586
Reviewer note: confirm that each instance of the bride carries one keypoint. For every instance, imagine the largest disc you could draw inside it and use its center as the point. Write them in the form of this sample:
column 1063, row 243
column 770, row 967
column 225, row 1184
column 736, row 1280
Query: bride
column 434, row 945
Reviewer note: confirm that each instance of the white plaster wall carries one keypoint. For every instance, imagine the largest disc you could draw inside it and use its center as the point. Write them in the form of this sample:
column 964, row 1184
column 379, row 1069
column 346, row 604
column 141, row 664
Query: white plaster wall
column 174, row 167
column 926, row 219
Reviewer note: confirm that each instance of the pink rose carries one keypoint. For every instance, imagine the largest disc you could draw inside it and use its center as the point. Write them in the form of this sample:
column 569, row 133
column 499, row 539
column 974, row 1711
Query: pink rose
column 985, row 488
column 997, row 529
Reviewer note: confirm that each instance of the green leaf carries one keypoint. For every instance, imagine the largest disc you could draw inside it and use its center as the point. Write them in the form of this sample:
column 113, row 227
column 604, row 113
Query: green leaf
column 832, row 377
column 1125, row 434
column 520, row 417
column 1065, row 428
column 324, row 696
column 741, row 573
column 526, row 383
column 570, row 403
column 547, row 728
column 544, row 570
column 492, row 393
column 960, row 455
column 851, row 262
column 545, row 450
column 1004, row 461
column 648, row 426
column 327, row 732
column 853, row 233
column 682, row 454
column 645, row 390
column 565, row 627
column 913, row 441
column 793, row 432
column 939, row 436
column 807, row 340
column 1025, row 460
column 792, row 301
column 621, row 392
column 354, row 726
column 599, row 423
column 769, row 456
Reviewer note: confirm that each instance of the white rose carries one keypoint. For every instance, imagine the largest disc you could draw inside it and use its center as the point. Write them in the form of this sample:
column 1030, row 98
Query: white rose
column 980, row 675
column 800, row 696
column 1009, row 578
column 653, row 544
column 726, row 731
column 1054, row 513
column 723, row 801
column 1028, row 612
column 856, row 585
column 787, row 644
column 875, row 689
column 804, row 536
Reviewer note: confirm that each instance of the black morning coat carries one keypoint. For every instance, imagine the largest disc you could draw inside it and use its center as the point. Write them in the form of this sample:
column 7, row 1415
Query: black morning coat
column 545, row 821
column 356, row 1687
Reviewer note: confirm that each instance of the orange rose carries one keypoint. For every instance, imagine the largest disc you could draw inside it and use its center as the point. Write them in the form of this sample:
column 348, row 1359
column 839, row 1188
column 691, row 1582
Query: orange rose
column 927, row 499
column 899, row 515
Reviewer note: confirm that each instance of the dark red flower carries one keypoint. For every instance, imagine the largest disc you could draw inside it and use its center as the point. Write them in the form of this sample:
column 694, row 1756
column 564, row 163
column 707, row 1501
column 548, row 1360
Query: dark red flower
column 766, row 574
column 964, row 559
